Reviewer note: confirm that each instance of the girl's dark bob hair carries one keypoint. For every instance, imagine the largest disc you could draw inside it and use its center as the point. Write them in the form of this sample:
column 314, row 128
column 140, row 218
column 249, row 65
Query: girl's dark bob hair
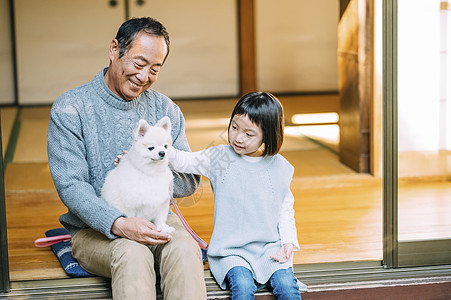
column 266, row 111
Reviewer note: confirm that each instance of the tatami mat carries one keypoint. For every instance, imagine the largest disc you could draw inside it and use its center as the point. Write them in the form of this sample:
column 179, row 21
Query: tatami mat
column 28, row 176
column 314, row 163
column 8, row 116
column 32, row 141
column 202, row 138
column 206, row 125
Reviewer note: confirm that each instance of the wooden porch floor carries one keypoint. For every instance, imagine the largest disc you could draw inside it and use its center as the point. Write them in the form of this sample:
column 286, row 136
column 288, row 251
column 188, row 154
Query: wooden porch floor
column 338, row 212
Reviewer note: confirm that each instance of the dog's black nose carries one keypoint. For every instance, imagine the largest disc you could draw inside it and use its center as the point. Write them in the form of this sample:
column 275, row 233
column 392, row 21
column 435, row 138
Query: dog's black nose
column 162, row 154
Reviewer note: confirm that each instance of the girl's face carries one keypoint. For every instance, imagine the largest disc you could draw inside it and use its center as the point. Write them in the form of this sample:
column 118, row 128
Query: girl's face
column 245, row 136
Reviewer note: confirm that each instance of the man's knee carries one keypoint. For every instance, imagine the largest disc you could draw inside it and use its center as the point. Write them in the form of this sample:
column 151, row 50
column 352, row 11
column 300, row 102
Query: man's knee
column 132, row 255
column 182, row 248
column 180, row 265
column 133, row 270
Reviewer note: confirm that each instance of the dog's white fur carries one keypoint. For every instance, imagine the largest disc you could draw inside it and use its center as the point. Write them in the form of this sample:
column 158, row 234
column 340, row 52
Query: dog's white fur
column 141, row 184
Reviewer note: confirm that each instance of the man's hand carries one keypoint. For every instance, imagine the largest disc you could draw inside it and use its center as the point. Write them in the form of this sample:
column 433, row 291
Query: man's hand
column 119, row 157
column 139, row 230
column 284, row 253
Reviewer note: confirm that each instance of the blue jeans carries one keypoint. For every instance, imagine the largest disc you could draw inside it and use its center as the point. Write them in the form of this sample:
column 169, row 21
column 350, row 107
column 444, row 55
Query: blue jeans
column 243, row 287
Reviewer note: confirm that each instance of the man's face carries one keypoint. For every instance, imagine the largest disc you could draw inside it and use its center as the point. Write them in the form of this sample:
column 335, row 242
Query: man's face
column 138, row 68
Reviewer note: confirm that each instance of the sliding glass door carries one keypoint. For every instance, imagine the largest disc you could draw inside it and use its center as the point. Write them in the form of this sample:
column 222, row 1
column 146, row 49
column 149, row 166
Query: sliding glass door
column 424, row 132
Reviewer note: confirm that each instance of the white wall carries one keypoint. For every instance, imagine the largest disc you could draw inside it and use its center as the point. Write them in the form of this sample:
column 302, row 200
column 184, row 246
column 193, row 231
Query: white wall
column 296, row 45
column 445, row 78
column 424, row 114
column 62, row 44
column 203, row 60
column 6, row 56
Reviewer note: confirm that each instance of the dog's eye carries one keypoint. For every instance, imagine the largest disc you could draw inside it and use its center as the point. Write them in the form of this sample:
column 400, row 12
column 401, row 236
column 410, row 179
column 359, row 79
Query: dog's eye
column 151, row 148
column 166, row 146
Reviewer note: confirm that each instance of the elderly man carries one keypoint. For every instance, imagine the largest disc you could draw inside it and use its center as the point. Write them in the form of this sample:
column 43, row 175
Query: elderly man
column 89, row 126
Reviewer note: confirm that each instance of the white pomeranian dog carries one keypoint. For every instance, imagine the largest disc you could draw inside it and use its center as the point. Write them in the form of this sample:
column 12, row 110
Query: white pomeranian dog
column 141, row 184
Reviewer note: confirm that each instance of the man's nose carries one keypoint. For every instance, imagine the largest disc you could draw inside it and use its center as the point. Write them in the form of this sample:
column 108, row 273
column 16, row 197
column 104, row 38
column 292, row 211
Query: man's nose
column 143, row 74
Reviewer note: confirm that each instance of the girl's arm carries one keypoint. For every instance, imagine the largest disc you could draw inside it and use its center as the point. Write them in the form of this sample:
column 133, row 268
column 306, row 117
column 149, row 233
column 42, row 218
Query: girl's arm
column 287, row 225
column 287, row 230
column 184, row 184
column 190, row 162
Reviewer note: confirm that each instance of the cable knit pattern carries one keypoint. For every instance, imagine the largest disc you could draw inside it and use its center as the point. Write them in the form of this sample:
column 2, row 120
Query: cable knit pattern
column 89, row 126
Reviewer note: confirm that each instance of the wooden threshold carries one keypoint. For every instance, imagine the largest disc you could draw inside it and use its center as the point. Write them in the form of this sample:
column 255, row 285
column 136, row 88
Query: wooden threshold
column 347, row 280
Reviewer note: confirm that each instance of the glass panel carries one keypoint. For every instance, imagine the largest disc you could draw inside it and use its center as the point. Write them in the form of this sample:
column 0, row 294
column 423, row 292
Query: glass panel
column 307, row 46
column 424, row 116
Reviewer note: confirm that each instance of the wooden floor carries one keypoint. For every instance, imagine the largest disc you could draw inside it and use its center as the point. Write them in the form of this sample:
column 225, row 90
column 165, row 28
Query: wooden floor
column 338, row 212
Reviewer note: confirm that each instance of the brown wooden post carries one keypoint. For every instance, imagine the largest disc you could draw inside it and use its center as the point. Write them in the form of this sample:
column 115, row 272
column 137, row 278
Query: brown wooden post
column 247, row 46
column 355, row 74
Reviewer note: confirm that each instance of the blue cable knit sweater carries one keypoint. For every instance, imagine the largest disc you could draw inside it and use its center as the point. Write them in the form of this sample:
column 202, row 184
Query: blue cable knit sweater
column 89, row 126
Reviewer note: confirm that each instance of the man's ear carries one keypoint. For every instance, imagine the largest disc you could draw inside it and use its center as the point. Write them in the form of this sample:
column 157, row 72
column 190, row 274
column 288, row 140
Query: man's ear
column 114, row 50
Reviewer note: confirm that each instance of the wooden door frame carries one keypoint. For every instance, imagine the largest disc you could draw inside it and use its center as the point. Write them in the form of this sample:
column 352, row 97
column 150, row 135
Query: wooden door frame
column 4, row 263
column 390, row 133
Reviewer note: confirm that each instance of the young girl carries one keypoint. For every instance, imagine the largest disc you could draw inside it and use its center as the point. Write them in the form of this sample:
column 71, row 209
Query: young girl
column 254, row 232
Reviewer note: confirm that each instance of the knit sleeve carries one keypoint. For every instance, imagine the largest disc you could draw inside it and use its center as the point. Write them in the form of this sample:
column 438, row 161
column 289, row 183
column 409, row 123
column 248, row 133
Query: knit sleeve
column 185, row 184
column 69, row 168
column 287, row 224
column 190, row 162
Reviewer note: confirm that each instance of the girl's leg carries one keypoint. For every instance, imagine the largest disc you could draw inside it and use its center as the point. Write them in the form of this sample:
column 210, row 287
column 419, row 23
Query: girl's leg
column 284, row 285
column 241, row 283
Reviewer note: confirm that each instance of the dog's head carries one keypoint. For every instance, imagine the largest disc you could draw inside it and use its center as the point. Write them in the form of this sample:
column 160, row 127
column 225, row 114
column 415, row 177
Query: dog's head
column 153, row 142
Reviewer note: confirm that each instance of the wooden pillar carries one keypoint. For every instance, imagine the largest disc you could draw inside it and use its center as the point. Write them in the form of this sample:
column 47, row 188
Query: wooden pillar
column 343, row 6
column 355, row 74
column 4, row 265
column 247, row 46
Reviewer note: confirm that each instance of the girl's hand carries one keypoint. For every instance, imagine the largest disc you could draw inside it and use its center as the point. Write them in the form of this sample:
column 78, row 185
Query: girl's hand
column 284, row 253
column 118, row 158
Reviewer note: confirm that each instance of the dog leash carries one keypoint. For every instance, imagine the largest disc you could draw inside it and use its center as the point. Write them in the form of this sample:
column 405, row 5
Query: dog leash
column 49, row 241
column 201, row 242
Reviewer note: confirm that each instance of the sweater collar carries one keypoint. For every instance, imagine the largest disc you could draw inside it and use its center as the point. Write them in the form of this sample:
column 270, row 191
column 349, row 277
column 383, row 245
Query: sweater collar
column 108, row 96
column 250, row 163
column 252, row 159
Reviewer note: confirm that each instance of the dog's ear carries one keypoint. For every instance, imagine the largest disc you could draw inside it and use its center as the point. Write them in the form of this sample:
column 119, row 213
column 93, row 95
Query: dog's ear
column 141, row 128
column 165, row 123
